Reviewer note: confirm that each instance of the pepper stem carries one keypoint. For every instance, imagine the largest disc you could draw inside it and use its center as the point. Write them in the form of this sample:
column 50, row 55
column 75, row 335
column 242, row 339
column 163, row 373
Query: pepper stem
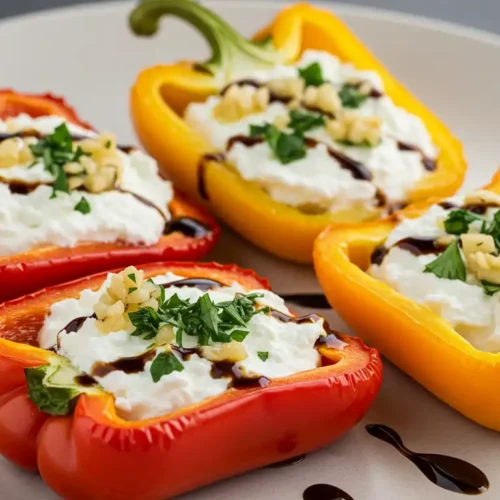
column 233, row 56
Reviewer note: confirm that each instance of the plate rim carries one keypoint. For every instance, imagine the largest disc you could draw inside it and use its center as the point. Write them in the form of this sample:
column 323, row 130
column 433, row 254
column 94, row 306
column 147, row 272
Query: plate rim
column 364, row 12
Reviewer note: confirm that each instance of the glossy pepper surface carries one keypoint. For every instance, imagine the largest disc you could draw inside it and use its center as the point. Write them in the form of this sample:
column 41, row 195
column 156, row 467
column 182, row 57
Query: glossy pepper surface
column 94, row 454
column 161, row 93
column 14, row 103
column 47, row 265
column 414, row 338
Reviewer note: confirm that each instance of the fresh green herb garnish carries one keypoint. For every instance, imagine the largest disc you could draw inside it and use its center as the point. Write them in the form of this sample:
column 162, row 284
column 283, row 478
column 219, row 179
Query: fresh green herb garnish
column 263, row 355
column 351, row 97
column 493, row 229
column 449, row 265
column 209, row 321
column 458, row 221
column 133, row 289
column 83, row 206
column 55, row 150
column 312, row 75
column 132, row 277
column 490, row 288
column 302, row 121
column 286, row 147
column 164, row 364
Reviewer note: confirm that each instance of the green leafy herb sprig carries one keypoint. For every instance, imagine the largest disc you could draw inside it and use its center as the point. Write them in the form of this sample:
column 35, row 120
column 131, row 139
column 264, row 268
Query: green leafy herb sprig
column 449, row 265
column 312, row 75
column 55, row 150
column 204, row 319
column 164, row 364
column 288, row 147
column 351, row 97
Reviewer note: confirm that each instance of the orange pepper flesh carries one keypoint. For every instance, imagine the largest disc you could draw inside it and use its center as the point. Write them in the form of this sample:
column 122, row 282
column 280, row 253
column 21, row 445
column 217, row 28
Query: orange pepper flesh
column 161, row 93
column 94, row 454
column 414, row 338
column 14, row 103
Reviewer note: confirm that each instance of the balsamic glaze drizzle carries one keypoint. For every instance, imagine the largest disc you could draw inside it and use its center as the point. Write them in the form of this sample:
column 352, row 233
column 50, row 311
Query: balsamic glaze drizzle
column 429, row 163
column 450, row 473
column 187, row 226
column 133, row 364
column 314, row 300
column 378, row 255
column 204, row 284
column 202, row 167
column 325, row 492
column 418, row 246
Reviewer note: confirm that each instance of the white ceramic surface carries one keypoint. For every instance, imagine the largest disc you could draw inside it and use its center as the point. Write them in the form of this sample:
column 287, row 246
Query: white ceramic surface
column 88, row 55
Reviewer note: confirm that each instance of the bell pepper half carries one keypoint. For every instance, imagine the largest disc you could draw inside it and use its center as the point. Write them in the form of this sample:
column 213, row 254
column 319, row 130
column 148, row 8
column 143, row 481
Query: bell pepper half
column 414, row 338
column 48, row 265
column 161, row 93
column 94, row 454
column 14, row 103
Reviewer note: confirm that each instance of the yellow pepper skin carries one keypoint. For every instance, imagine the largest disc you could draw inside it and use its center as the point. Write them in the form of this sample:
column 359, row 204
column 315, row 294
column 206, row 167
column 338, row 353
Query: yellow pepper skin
column 414, row 338
column 161, row 93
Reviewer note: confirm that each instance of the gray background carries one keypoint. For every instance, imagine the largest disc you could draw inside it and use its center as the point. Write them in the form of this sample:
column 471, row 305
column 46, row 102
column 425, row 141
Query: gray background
column 482, row 14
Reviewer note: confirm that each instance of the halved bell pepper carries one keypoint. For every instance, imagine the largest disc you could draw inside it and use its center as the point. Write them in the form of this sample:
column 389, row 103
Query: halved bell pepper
column 413, row 337
column 44, row 266
column 161, row 93
column 94, row 454
column 14, row 103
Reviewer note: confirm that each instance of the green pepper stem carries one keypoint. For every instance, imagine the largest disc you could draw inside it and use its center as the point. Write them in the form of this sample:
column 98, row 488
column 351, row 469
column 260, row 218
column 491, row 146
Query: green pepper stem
column 233, row 56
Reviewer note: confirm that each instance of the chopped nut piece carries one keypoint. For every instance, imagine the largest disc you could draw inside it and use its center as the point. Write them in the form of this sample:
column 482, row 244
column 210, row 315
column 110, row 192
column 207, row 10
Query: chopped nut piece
column 126, row 292
column 165, row 335
column 485, row 266
column 482, row 197
column 355, row 129
column 444, row 241
column 232, row 351
column 472, row 243
column 325, row 98
column 287, row 88
column 14, row 151
column 239, row 102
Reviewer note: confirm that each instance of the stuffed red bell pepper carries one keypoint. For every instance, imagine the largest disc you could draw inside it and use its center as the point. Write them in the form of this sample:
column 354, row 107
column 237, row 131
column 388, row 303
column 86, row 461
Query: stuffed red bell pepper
column 74, row 202
column 120, row 386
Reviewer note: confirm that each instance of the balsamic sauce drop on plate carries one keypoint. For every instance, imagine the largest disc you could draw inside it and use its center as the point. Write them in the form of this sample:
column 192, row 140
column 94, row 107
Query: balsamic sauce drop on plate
column 325, row 492
column 450, row 473
column 314, row 300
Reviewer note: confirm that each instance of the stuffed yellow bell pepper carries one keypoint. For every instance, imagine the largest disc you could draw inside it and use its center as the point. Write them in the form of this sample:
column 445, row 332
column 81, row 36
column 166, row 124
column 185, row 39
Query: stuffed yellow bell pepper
column 285, row 135
column 423, row 287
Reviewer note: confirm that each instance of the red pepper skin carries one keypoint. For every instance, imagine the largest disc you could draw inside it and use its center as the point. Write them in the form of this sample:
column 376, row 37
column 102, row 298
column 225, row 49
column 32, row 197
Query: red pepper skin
column 13, row 103
column 25, row 273
column 94, row 455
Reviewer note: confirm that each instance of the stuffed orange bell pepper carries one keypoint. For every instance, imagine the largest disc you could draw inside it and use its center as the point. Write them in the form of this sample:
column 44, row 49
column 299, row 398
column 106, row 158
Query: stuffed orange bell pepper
column 147, row 364
column 285, row 135
column 74, row 203
column 422, row 286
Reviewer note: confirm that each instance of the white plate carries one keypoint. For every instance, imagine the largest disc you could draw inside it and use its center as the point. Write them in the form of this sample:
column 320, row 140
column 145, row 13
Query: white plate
column 88, row 55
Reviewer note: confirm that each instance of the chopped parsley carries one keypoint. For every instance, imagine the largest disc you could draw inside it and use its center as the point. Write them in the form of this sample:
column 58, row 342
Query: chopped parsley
column 263, row 355
column 351, row 97
column 132, row 277
column 133, row 289
column 449, row 265
column 458, row 221
column 83, row 206
column 204, row 319
column 286, row 147
column 493, row 229
column 490, row 288
column 312, row 75
column 302, row 121
column 164, row 364
column 55, row 150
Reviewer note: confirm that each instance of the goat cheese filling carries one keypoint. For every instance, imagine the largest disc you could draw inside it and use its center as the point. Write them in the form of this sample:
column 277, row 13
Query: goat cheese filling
column 52, row 194
column 182, row 358
column 449, row 260
column 318, row 135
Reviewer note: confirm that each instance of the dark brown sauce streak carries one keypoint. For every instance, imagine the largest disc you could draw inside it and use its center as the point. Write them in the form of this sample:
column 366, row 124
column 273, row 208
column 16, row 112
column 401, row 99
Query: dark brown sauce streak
column 85, row 380
column 325, row 492
column 447, row 205
column 377, row 256
column 450, row 473
column 185, row 352
column 357, row 169
column 429, row 164
column 314, row 300
column 287, row 463
column 187, row 226
column 479, row 208
column 204, row 284
column 228, row 369
column 133, row 364
column 202, row 167
column 418, row 246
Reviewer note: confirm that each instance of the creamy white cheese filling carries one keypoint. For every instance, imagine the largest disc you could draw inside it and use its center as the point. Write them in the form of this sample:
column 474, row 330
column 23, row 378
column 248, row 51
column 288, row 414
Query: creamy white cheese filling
column 318, row 178
column 290, row 348
column 464, row 304
column 36, row 219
